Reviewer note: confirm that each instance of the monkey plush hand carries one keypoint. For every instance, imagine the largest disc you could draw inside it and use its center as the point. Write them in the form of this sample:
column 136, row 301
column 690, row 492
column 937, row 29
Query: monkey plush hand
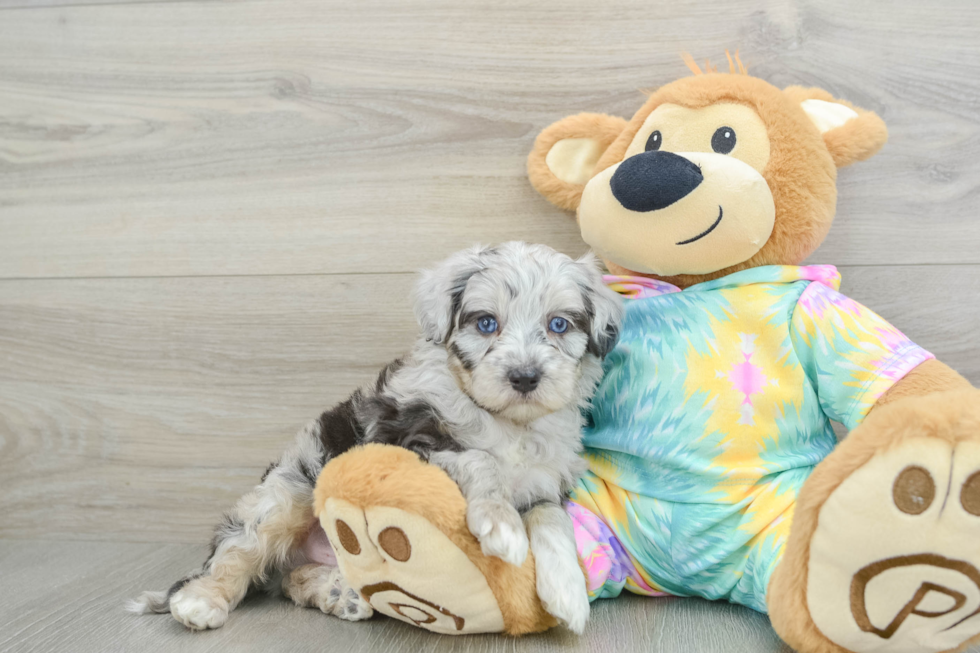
column 714, row 470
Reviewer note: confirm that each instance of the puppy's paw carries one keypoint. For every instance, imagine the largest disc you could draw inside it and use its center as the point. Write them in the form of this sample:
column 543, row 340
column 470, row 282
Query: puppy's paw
column 199, row 608
column 351, row 607
column 565, row 598
column 500, row 530
column 324, row 587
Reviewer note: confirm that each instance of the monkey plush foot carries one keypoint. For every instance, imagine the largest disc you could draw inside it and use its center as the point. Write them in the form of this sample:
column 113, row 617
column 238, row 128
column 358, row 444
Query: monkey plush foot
column 885, row 550
column 398, row 528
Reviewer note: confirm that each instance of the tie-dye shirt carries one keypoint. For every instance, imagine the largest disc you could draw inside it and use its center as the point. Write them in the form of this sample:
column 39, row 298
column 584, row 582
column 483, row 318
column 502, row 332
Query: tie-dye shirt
column 716, row 404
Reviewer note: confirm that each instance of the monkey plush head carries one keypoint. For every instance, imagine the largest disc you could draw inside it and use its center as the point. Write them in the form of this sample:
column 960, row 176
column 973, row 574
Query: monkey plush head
column 715, row 173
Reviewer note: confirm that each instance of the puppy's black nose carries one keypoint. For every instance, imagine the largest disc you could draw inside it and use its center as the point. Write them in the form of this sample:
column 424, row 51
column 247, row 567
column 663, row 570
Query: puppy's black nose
column 524, row 381
column 654, row 180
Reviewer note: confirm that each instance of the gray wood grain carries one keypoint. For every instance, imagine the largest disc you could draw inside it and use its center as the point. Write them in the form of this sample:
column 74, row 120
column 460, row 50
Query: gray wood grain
column 263, row 137
column 69, row 597
column 20, row 5
column 148, row 405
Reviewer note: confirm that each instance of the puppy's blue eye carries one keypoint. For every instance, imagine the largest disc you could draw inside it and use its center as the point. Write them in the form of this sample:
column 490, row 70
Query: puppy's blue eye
column 558, row 325
column 487, row 324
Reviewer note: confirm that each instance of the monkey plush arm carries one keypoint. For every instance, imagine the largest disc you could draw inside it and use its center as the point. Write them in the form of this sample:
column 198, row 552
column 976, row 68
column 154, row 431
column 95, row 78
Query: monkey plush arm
column 930, row 376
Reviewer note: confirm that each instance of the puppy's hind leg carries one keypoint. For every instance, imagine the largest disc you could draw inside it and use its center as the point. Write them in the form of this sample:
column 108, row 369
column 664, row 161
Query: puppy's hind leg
column 259, row 535
column 262, row 533
column 324, row 587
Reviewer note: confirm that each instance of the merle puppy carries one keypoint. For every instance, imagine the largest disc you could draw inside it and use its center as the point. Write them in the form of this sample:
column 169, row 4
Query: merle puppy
column 509, row 353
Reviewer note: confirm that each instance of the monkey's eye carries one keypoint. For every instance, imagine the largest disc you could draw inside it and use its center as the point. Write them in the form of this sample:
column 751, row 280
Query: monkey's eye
column 654, row 141
column 487, row 324
column 723, row 140
column 558, row 325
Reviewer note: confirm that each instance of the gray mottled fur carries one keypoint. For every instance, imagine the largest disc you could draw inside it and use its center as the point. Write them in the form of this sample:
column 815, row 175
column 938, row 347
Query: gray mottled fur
column 514, row 455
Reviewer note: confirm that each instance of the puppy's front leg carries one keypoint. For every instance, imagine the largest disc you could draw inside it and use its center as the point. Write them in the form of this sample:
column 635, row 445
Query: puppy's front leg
column 490, row 513
column 560, row 580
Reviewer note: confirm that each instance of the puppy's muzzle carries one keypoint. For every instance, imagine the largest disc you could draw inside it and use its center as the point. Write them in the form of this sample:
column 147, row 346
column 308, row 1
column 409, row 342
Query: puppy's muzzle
column 524, row 381
column 654, row 180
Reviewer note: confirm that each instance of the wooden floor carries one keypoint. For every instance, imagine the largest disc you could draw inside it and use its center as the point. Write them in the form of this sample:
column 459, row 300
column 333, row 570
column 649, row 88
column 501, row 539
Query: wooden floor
column 210, row 212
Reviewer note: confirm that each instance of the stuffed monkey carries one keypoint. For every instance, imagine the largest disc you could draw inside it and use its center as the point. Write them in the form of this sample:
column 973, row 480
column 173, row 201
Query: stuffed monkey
column 714, row 469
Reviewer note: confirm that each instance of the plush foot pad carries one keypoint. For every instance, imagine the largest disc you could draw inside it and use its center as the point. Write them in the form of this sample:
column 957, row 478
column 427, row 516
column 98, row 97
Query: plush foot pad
column 406, row 568
column 895, row 559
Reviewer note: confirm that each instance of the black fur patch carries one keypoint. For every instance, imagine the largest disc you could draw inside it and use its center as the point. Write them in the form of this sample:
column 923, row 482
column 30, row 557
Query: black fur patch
column 587, row 299
column 470, row 317
column 179, row 585
column 456, row 295
column 416, row 426
column 467, row 364
column 581, row 321
column 386, row 374
column 340, row 428
column 311, row 474
column 528, row 507
column 604, row 344
column 229, row 527
column 268, row 470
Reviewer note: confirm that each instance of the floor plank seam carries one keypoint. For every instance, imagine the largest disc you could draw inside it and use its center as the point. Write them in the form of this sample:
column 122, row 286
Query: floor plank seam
column 121, row 3
column 843, row 266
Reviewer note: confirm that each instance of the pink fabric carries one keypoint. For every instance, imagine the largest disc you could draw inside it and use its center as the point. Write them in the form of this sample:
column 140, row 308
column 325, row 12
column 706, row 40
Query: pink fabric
column 606, row 563
column 638, row 287
column 317, row 547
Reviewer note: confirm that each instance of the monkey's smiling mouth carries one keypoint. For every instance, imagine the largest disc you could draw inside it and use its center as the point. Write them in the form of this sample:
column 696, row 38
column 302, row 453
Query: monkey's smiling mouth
column 706, row 231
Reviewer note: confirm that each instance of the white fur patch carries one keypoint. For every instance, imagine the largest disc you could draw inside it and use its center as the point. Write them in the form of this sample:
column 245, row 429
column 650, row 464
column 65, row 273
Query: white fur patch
column 500, row 530
column 560, row 581
column 198, row 609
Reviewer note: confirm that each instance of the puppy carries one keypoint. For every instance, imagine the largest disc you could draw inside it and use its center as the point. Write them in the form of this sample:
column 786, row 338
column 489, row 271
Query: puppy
column 509, row 354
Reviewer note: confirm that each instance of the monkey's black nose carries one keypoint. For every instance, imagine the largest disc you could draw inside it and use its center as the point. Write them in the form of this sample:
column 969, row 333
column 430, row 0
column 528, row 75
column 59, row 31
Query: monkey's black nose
column 654, row 180
column 524, row 381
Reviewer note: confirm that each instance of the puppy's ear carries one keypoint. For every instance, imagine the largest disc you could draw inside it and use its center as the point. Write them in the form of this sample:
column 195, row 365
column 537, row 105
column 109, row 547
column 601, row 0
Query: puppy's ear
column 850, row 133
column 439, row 292
column 565, row 155
column 604, row 305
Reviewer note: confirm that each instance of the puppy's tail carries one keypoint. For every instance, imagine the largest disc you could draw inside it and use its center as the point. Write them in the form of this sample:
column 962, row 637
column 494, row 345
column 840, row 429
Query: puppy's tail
column 158, row 602
column 149, row 602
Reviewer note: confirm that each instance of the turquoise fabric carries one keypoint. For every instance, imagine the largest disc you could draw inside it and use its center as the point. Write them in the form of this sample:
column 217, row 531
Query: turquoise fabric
column 716, row 405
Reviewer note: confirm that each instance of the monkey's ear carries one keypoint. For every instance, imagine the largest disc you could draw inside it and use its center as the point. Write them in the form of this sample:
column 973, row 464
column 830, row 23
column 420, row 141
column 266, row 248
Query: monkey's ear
column 565, row 155
column 850, row 133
